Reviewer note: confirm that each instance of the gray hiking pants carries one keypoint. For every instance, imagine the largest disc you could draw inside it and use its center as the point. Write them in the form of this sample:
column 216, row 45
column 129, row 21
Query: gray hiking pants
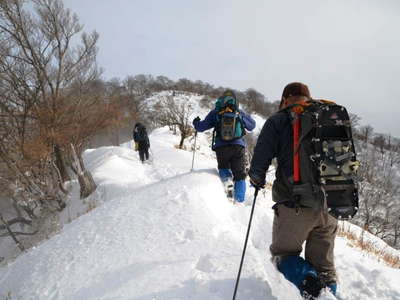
column 317, row 228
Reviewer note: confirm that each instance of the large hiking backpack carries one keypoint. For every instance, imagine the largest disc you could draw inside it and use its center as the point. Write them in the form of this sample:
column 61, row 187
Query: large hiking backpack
column 229, row 125
column 141, row 134
column 324, row 161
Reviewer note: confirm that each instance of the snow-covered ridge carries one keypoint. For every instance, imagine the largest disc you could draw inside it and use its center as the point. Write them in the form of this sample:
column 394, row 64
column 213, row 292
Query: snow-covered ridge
column 163, row 232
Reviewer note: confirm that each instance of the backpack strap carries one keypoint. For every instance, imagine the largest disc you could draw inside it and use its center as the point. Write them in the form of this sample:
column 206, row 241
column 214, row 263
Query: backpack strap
column 224, row 110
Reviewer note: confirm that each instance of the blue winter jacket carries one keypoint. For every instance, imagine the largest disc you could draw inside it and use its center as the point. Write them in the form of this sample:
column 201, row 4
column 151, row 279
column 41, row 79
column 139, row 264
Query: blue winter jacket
column 210, row 121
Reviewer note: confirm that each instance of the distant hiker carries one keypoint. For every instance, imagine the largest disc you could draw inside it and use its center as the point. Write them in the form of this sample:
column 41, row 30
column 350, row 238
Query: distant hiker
column 230, row 125
column 302, row 205
column 142, row 143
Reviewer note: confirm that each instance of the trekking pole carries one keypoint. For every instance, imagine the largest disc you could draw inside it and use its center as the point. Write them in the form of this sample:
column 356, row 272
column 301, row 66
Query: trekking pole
column 245, row 243
column 194, row 149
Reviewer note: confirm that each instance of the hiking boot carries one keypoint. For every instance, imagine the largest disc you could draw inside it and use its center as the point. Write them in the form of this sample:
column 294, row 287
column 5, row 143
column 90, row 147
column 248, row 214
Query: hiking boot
column 329, row 281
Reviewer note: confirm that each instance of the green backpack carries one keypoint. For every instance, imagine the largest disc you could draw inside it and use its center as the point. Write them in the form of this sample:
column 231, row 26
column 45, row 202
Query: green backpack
column 229, row 125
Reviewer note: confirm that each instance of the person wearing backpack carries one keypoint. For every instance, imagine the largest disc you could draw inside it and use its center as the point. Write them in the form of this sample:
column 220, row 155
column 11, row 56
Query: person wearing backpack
column 293, row 222
column 230, row 124
column 142, row 143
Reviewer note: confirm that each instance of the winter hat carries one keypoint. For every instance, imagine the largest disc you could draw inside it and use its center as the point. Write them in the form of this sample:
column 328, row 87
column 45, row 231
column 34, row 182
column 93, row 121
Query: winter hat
column 295, row 89
column 229, row 93
column 139, row 125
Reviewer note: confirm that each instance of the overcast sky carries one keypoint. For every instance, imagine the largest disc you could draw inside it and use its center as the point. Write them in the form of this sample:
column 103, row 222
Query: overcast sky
column 344, row 50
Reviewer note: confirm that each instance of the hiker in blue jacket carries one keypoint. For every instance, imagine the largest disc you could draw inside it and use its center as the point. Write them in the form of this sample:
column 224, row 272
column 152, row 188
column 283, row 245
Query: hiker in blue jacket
column 230, row 154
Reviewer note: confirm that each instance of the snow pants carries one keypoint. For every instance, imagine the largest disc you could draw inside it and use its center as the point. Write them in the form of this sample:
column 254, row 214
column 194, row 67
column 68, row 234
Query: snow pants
column 232, row 157
column 316, row 228
column 231, row 160
column 143, row 152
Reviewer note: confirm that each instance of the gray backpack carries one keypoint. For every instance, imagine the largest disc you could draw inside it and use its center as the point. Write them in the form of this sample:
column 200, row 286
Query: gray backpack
column 326, row 163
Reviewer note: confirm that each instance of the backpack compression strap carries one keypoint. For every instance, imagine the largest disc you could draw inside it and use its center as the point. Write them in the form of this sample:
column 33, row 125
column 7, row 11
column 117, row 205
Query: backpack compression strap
column 297, row 109
column 296, row 154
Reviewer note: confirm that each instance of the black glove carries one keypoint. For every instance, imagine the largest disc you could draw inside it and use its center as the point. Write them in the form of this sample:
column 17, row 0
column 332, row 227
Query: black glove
column 258, row 184
column 195, row 120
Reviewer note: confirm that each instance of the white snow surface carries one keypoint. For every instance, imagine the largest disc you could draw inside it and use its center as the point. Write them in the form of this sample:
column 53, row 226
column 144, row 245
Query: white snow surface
column 164, row 232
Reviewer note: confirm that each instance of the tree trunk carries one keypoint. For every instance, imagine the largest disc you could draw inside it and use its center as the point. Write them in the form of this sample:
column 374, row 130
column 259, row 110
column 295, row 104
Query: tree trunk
column 85, row 178
column 87, row 184
column 60, row 202
column 116, row 136
column 181, row 142
column 396, row 235
column 61, row 165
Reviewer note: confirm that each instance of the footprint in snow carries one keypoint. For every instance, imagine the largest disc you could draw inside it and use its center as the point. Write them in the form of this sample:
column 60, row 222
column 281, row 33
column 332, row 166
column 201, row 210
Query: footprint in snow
column 205, row 264
column 185, row 237
column 188, row 235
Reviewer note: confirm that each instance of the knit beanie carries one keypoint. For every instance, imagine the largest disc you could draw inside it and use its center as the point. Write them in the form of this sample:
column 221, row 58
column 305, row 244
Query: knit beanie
column 296, row 89
column 229, row 93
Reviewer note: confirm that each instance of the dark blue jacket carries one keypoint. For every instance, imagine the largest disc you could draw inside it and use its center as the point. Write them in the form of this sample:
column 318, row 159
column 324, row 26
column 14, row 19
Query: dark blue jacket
column 140, row 135
column 210, row 121
column 275, row 140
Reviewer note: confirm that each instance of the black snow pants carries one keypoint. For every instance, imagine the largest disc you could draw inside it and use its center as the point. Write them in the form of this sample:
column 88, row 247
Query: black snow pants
column 232, row 157
column 143, row 151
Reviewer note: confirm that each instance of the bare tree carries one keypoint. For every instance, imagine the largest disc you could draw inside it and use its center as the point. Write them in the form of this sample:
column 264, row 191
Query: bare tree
column 138, row 85
column 354, row 120
column 380, row 142
column 254, row 100
column 43, row 68
column 176, row 114
column 379, row 188
column 366, row 133
column 39, row 46
column 135, row 90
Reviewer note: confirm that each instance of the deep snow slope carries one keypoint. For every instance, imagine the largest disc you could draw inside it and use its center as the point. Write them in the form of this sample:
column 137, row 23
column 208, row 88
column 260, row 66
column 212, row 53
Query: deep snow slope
column 164, row 232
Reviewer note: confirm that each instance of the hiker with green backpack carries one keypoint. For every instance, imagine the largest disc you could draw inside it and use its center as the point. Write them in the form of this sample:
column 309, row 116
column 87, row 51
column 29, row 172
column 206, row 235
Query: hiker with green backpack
column 314, row 185
column 230, row 125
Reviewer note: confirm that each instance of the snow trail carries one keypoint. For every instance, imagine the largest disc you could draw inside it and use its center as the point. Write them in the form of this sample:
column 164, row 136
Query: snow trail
column 163, row 232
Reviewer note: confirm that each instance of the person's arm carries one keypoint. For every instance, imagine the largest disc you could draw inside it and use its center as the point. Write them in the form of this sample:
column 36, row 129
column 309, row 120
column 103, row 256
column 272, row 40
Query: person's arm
column 265, row 150
column 248, row 122
column 207, row 123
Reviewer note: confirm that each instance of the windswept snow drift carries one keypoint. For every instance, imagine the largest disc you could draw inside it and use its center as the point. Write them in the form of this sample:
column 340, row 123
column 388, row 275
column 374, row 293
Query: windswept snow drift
column 164, row 232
